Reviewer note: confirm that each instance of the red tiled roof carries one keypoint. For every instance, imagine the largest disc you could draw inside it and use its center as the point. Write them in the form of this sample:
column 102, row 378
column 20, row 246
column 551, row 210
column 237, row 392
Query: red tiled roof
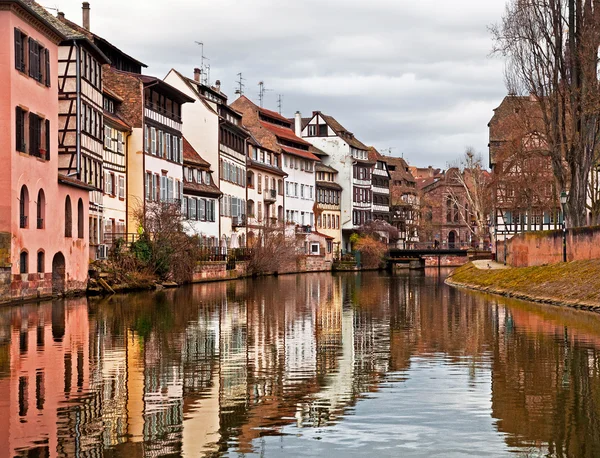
column 300, row 152
column 191, row 155
column 283, row 132
column 71, row 181
column 274, row 114
column 323, row 235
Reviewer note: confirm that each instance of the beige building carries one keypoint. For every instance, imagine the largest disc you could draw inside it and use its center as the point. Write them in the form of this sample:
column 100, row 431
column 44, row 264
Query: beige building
column 328, row 209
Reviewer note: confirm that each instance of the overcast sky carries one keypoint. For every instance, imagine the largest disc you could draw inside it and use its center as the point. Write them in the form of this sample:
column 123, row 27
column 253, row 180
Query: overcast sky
column 415, row 76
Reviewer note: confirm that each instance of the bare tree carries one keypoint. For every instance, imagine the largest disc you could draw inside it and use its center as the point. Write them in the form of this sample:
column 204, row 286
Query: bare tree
column 163, row 244
column 551, row 48
column 271, row 249
column 472, row 197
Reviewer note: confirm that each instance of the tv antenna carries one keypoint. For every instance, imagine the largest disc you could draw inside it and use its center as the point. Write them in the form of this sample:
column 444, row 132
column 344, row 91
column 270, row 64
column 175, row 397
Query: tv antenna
column 240, row 84
column 261, row 92
column 202, row 59
column 389, row 150
column 279, row 102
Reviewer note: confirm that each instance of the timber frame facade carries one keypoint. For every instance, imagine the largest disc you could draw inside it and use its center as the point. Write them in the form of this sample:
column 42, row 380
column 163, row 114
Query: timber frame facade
column 81, row 121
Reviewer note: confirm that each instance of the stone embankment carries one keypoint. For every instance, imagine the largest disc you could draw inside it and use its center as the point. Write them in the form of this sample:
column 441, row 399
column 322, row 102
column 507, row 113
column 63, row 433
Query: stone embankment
column 574, row 284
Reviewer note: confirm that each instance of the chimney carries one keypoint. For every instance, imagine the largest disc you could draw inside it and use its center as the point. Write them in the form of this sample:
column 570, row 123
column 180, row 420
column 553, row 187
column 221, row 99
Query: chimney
column 298, row 124
column 61, row 15
column 197, row 73
column 218, row 85
column 85, row 7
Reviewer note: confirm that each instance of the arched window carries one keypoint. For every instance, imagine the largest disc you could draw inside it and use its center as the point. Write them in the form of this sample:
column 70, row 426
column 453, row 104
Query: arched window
column 41, row 209
column 448, row 210
column 41, row 262
column 68, row 218
column 456, row 213
column 80, row 219
column 250, row 209
column 24, row 208
column 24, row 262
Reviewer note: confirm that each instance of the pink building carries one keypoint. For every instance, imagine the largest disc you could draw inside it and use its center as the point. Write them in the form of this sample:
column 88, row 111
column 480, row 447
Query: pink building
column 49, row 372
column 43, row 214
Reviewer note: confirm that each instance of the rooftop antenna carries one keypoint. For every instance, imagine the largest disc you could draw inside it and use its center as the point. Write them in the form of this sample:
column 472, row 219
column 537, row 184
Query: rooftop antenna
column 240, row 84
column 207, row 79
column 279, row 102
column 389, row 150
column 261, row 92
column 202, row 59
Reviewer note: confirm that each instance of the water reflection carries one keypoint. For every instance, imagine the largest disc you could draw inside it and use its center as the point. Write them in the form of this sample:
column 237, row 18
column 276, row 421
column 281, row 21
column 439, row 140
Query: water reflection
column 299, row 365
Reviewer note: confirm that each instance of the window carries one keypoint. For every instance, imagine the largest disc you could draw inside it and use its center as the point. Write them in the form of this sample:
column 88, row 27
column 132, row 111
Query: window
column 121, row 187
column 68, row 218
column 280, row 187
column 259, row 182
column 24, row 208
column 314, row 248
column 40, row 262
column 20, row 50
column 108, row 186
column 192, row 209
column 312, row 130
column 322, row 130
column 21, row 116
column 41, row 209
column 80, row 216
column 24, row 262
column 153, row 140
column 202, row 209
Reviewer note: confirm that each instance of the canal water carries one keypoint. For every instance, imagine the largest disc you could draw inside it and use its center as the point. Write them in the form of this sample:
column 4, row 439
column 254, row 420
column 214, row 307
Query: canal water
column 309, row 365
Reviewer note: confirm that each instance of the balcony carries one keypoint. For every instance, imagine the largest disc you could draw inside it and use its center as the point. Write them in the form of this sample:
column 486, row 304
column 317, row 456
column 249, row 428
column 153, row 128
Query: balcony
column 361, row 204
column 40, row 223
column 270, row 195
column 238, row 221
column 23, row 222
column 378, row 190
column 303, row 229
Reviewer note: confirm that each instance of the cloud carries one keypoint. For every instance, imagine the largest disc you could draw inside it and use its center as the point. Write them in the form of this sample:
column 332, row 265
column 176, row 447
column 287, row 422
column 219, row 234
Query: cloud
column 411, row 75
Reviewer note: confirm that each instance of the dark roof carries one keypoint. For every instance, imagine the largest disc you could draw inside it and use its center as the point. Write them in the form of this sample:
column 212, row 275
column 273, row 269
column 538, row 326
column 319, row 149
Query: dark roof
column 166, row 87
column 400, row 167
column 111, row 93
column 329, row 185
column 266, row 167
column 190, row 155
column 68, row 33
column 320, row 167
column 39, row 13
column 344, row 133
column 374, row 155
column 110, row 45
column 75, row 182
column 201, row 189
column 116, row 120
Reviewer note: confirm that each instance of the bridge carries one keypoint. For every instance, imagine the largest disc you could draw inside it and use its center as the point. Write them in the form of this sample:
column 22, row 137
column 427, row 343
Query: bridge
column 431, row 257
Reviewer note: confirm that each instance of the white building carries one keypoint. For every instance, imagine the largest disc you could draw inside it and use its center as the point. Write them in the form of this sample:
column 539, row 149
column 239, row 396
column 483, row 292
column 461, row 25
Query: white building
column 275, row 133
column 200, row 198
column 350, row 158
column 215, row 131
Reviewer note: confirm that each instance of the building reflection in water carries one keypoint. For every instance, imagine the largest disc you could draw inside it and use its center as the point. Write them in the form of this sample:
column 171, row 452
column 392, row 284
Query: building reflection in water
column 214, row 368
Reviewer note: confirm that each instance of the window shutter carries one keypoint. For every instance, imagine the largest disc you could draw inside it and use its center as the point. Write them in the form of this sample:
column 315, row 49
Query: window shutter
column 19, row 129
column 18, row 50
column 31, row 57
column 47, row 63
column 47, row 139
column 32, row 134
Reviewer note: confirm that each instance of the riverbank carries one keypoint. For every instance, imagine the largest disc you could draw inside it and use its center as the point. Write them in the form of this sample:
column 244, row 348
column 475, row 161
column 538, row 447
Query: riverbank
column 575, row 284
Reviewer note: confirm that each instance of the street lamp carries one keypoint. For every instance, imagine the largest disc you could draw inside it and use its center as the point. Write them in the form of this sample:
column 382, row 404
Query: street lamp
column 563, row 203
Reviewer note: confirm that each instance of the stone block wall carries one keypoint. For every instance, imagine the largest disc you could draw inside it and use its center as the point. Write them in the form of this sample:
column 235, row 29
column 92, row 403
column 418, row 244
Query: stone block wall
column 210, row 271
column 445, row 261
column 543, row 248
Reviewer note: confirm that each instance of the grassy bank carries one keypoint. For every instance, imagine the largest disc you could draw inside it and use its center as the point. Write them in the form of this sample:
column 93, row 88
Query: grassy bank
column 575, row 284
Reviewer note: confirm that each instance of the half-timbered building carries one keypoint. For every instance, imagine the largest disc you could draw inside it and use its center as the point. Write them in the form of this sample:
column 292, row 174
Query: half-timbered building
column 524, row 193
column 329, row 197
column 350, row 157
column 81, row 120
column 380, row 183
column 215, row 130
